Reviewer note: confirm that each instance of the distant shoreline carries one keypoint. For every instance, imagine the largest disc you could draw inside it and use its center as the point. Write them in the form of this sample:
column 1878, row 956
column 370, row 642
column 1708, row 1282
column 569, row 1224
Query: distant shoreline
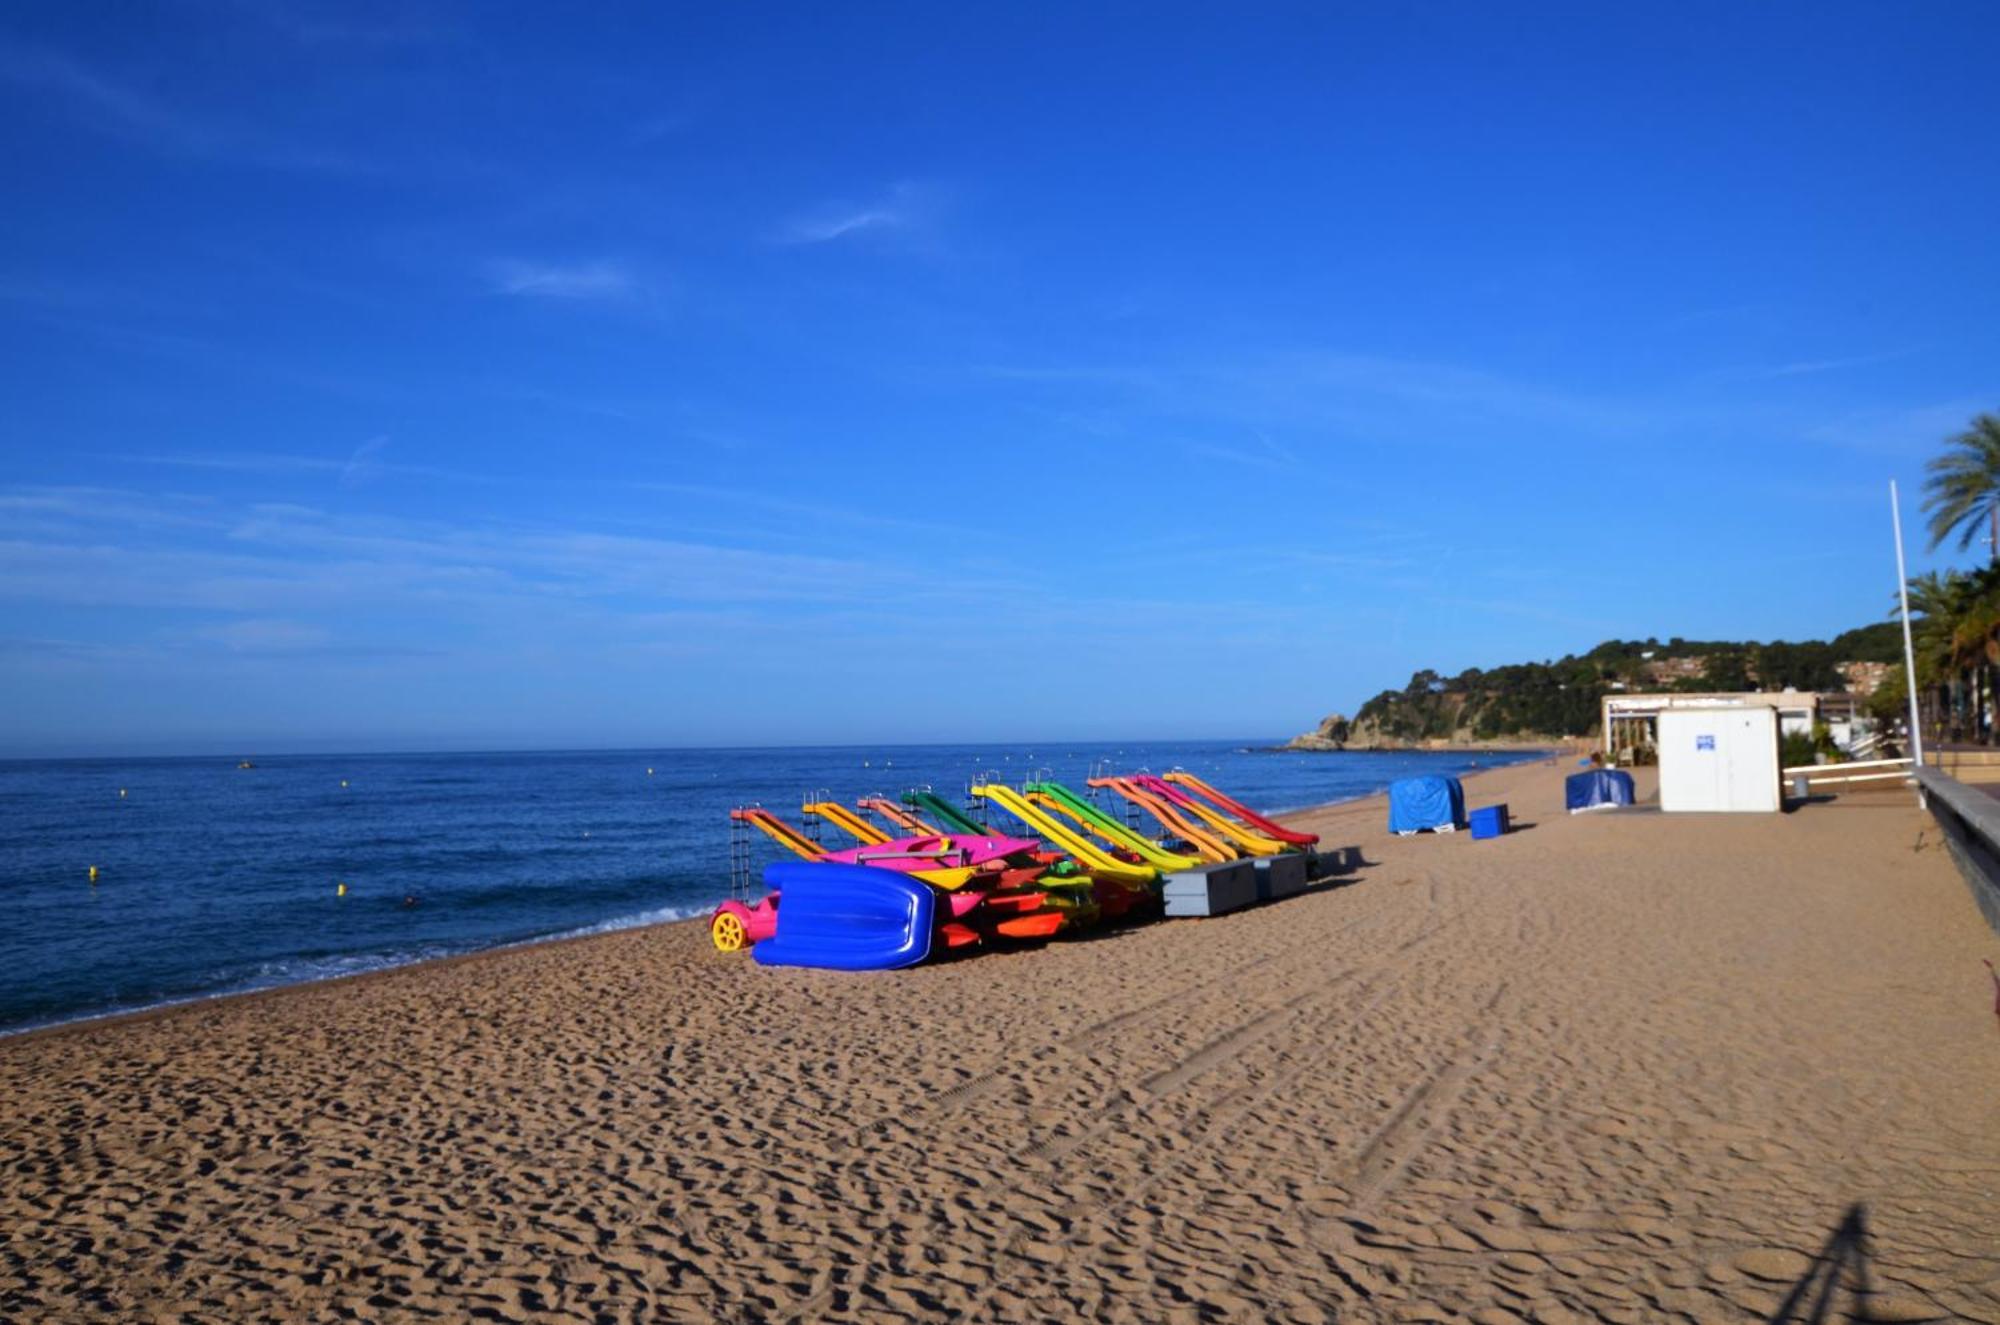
column 1483, row 748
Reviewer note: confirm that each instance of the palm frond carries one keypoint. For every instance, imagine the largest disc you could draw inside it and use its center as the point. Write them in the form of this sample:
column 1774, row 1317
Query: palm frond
column 1963, row 487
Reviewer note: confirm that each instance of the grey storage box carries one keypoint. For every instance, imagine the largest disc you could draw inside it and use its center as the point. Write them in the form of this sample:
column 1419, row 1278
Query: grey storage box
column 1280, row 876
column 1210, row 890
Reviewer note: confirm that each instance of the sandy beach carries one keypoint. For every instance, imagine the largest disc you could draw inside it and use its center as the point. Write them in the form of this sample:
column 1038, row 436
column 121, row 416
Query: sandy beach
column 1623, row 1067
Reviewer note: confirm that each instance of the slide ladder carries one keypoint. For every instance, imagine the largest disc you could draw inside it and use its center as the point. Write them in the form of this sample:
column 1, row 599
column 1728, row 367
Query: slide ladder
column 1230, row 805
column 896, row 815
column 786, row 836
column 1095, row 861
column 846, row 820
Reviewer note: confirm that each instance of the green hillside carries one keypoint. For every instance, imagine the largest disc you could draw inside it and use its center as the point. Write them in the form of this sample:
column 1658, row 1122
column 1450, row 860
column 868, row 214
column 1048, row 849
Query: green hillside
column 1560, row 698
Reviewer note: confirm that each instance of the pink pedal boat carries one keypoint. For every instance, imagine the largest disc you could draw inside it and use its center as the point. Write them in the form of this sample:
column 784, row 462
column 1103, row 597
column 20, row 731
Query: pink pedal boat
column 944, row 860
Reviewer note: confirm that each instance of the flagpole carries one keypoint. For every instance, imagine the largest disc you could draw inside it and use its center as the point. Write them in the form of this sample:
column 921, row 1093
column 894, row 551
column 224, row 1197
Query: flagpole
column 1909, row 649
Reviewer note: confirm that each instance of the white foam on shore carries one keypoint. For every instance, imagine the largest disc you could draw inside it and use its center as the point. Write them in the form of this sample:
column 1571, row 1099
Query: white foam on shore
column 638, row 920
column 291, row 973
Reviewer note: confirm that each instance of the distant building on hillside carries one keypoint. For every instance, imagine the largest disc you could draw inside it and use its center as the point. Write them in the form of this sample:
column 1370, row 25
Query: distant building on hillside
column 1863, row 678
column 1666, row 671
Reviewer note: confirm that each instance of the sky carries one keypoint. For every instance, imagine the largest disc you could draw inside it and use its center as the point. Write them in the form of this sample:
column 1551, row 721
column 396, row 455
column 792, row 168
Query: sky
column 439, row 376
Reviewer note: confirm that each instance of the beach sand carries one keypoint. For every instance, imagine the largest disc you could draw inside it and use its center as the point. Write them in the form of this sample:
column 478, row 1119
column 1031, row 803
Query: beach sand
column 1626, row 1067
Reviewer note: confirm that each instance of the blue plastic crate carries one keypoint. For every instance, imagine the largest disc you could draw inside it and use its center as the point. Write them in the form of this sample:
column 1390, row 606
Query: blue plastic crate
column 1489, row 821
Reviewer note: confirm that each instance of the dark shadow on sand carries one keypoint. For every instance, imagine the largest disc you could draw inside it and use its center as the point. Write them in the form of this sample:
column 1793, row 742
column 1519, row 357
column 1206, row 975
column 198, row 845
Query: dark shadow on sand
column 1842, row 1264
column 1340, row 862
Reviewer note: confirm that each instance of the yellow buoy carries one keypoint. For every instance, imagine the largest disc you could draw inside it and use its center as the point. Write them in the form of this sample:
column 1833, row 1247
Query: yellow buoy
column 93, row 874
column 340, row 890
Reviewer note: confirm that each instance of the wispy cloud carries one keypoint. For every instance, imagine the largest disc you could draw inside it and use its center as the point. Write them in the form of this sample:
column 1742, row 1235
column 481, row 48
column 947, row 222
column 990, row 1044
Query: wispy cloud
column 113, row 106
column 905, row 207
column 599, row 279
column 109, row 105
column 316, row 25
column 1342, row 395
column 362, row 465
column 1903, row 432
column 1265, row 454
column 267, row 635
column 1805, row 367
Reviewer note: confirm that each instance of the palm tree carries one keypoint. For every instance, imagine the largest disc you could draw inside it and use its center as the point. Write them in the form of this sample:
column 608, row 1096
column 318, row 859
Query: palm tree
column 1963, row 490
column 1957, row 643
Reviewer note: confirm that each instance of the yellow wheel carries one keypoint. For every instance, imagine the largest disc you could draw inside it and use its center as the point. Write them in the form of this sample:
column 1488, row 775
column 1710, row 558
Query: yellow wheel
column 727, row 933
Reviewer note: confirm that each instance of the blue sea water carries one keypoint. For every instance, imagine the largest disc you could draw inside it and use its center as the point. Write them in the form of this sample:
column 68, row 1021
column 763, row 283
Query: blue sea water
column 215, row 879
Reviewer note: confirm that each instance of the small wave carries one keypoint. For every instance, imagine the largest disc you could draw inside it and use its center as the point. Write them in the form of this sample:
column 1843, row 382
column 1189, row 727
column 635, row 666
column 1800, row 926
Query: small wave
column 291, row 972
column 638, row 920
column 281, row 974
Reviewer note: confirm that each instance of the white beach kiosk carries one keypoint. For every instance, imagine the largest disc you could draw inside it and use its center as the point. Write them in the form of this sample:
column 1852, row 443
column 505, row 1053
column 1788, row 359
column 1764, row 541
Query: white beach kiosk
column 1720, row 757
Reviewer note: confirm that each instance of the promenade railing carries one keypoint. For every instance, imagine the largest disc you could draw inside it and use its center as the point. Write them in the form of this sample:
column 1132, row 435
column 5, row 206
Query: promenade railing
column 1969, row 819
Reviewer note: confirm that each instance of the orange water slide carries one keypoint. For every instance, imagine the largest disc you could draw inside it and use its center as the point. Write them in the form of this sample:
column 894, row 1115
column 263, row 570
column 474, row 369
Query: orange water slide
column 898, row 815
column 1230, row 805
column 778, row 831
column 1205, row 843
column 847, row 821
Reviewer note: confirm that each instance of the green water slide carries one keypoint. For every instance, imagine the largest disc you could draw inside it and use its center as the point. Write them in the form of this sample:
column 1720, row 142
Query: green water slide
column 1056, row 796
column 1096, row 861
column 946, row 815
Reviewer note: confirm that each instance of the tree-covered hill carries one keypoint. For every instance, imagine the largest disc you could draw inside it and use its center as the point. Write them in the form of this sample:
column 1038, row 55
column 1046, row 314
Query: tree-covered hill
column 1560, row 698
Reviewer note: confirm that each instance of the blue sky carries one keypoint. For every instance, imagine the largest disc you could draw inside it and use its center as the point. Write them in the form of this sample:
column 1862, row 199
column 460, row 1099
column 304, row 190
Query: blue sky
column 437, row 376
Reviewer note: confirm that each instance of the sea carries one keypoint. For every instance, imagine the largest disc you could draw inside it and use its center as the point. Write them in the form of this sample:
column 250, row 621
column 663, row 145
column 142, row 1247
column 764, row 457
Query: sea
column 213, row 879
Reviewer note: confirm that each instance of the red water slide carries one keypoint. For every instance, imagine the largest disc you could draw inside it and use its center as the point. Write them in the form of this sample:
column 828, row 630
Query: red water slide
column 1230, row 805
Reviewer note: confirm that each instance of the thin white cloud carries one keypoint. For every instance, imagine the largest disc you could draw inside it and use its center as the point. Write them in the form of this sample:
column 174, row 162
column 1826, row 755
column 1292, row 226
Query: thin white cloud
column 266, row 635
column 108, row 105
column 1266, row 454
column 602, row 279
column 362, row 465
column 1363, row 398
column 263, row 578
column 111, row 106
column 905, row 207
column 1806, row 367
column 336, row 24
column 1897, row 431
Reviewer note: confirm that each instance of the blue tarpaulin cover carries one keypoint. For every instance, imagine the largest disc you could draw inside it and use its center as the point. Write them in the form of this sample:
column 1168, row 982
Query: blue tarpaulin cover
column 1600, row 786
column 1426, row 802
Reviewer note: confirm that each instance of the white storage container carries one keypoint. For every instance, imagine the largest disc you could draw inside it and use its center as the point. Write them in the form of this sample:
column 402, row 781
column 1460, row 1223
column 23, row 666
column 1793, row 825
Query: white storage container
column 1719, row 759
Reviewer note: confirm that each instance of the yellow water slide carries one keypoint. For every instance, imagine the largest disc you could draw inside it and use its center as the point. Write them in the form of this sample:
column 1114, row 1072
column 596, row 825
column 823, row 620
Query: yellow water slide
column 1150, row 852
column 1088, row 854
column 1252, row 842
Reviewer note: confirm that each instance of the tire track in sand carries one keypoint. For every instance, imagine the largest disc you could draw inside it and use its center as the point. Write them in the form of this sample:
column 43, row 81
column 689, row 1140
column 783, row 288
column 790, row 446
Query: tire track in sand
column 975, row 1088
column 1379, row 980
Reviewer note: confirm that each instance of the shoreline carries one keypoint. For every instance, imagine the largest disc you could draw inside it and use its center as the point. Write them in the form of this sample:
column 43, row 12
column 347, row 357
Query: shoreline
column 192, row 1002
column 1603, row 1067
column 92, row 1020
column 1557, row 748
